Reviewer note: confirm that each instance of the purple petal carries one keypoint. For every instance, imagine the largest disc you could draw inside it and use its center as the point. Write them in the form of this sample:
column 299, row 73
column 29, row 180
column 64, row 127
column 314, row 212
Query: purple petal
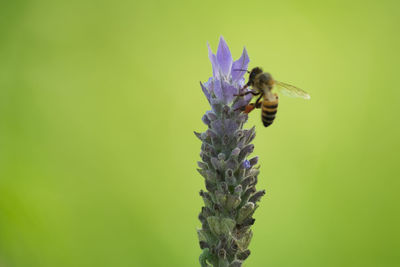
column 205, row 120
column 230, row 126
column 217, row 87
column 224, row 91
column 211, row 115
column 228, row 91
column 246, row 164
column 241, row 63
column 224, row 57
column 217, row 127
column 205, row 91
column 248, row 97
column 241, row 103
column 209, row 84
column 213, row 60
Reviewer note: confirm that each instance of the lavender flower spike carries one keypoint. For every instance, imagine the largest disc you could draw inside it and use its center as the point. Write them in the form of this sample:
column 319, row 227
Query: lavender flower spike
column 230, row 178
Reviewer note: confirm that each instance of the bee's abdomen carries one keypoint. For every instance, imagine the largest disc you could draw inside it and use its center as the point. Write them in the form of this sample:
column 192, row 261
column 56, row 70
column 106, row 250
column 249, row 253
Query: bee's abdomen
column 269, row 109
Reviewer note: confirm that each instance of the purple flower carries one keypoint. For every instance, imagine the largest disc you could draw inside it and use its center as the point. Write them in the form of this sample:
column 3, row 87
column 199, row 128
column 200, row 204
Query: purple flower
column 227, row 214
column 246, row 164
column 227, row 80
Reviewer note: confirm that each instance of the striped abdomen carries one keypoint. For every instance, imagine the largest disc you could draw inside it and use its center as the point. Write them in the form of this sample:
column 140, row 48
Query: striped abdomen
column 269, row 109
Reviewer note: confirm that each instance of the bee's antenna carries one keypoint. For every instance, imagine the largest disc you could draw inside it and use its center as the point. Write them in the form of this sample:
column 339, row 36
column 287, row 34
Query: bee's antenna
column 242, row 70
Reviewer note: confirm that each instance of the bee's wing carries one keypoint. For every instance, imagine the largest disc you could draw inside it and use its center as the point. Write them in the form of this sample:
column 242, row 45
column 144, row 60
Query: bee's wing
column 290, row 90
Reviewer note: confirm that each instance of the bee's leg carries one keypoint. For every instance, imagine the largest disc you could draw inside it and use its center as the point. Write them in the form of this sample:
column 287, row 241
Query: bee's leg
column 258, row 103
column 244, row 87
column 249, row 92
column 249, row 108
column 252, row 106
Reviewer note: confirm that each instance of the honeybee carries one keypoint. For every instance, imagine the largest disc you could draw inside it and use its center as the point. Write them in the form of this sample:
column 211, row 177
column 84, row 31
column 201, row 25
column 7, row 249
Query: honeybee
column 264, row 86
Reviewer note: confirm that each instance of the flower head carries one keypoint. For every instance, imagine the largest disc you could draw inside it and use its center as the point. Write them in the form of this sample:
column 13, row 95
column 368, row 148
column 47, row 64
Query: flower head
column 228, row 76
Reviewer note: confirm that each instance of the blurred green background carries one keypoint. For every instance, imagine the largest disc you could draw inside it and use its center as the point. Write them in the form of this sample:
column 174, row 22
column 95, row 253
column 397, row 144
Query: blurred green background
column 99, row 101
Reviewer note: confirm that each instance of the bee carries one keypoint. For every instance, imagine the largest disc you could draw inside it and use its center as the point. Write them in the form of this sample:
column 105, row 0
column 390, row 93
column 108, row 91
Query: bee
column 264, row 86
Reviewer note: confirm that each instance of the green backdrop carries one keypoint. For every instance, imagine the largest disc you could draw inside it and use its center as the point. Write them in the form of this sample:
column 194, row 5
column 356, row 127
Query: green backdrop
column 99, row 101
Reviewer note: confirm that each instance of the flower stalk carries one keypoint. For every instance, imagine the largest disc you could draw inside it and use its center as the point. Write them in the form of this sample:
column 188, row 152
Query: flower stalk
column 231, row 198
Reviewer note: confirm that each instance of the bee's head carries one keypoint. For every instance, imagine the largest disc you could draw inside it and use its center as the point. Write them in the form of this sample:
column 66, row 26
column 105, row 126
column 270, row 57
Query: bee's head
column 253, row 74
